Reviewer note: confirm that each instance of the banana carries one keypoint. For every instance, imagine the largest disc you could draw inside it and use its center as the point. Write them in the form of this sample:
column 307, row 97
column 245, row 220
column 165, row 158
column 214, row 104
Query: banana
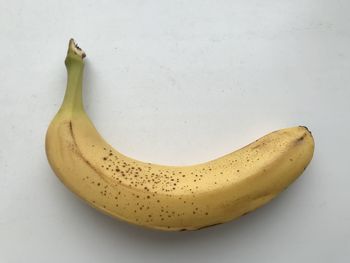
column 167, row 197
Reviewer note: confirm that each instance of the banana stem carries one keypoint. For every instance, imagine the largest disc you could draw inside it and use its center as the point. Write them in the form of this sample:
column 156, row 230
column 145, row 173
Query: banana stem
column 73, row 99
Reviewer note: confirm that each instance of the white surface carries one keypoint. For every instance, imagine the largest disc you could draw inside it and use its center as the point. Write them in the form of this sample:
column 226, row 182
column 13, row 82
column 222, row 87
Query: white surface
column 177, row 82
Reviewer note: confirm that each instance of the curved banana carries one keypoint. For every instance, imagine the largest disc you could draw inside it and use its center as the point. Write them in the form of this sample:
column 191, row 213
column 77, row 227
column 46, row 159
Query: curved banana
column 167, row 197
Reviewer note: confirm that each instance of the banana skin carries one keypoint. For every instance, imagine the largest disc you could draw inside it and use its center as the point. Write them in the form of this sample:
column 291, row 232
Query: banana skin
column 170, row 198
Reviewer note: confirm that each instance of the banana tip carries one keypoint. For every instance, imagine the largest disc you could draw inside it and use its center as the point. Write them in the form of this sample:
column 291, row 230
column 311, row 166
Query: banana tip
column 73, row 46
column 306, row 128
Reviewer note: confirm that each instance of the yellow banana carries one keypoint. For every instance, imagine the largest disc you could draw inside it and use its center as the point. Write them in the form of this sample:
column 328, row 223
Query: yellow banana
column 167, row 197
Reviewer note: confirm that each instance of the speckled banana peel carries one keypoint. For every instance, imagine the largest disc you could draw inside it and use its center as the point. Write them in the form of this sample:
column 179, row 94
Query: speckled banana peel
column 167, row 197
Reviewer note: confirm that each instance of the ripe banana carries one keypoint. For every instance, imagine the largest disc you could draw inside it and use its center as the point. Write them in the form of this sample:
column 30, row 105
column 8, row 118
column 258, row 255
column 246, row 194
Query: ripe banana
column 167, row 197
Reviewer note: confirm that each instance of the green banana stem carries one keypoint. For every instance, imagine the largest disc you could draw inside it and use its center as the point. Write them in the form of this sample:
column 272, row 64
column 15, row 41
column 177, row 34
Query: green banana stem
column 73, row 99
